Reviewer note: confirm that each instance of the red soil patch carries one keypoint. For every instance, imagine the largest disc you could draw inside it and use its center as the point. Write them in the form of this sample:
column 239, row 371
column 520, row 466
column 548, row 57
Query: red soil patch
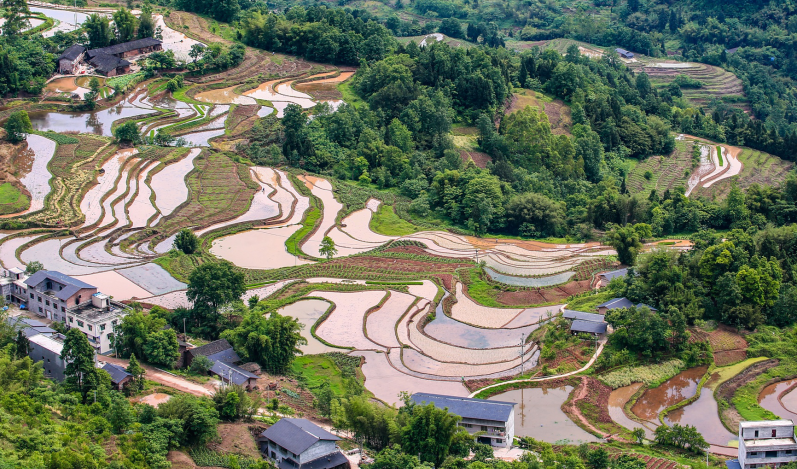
column 730, row 357
column 479, row 159
column 543, row 295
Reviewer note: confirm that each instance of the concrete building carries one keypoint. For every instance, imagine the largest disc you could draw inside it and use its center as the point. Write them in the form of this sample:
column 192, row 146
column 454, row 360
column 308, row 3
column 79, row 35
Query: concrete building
column 496, row 419
column 301, row 444
column 69, row 61
column 47, row 349
column 97, row 318
column 51, row 293
column 12, row 285
column 766, row 444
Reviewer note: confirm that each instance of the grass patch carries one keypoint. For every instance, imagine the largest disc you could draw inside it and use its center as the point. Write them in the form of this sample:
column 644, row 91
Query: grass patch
column 590, row 301
column 386, row 222
column 727, row 372
column 349, row 95
column 652, row 375
column 315, row 370
column 719, row 155
column 311, row 218
column 9, row 194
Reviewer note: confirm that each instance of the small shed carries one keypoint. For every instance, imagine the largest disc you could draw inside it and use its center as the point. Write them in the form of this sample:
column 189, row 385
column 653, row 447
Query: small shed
column 597, row 329
column 232, row 374
column 120, row 378
column 614, row 303
column 624, row 53
column 605, row 277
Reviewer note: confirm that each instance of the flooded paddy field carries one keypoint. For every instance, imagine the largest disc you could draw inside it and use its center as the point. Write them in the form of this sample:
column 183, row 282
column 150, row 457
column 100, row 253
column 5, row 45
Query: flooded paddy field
column 679, row 387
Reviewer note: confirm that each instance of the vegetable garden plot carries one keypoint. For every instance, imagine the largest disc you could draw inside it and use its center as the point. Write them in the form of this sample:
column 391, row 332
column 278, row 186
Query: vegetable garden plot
column 386, row 382
column 344, row 327
column 380, row 324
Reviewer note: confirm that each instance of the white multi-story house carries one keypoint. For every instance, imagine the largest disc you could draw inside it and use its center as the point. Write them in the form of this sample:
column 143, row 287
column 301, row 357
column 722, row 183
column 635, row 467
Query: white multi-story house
column 493, row 420
column 766, row 444
column 97, row 318
column 12, row 284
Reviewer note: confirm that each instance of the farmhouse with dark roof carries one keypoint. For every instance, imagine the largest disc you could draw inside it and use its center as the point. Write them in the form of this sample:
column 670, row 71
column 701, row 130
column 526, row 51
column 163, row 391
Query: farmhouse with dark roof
column 301, row 444
column 493, row 420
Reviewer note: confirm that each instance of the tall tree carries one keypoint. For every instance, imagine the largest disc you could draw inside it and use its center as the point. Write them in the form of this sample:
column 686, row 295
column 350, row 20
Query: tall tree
column 15, row 15
column 625, row 240
column 162, row 348
column 98, row 29
column 272, row 342
column 18, row 126
column 125, row 23
column 135, row 369
column 146, row 25
column 212, row 286
column 78, row 355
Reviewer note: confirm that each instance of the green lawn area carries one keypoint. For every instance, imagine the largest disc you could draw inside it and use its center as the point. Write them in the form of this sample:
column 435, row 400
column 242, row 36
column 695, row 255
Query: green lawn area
column 9, row 194
column 316, row 370
column 588, row 303
column 386, row 222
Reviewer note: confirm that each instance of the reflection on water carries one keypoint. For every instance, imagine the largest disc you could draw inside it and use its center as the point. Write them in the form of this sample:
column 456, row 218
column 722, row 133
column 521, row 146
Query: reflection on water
column 94, row 122
column 617, row 400
column 679, row 387
column 33, row 169
column 703, row 414
column 64, row 16
column 768, row 399
column 540, row 416
column 307, row 312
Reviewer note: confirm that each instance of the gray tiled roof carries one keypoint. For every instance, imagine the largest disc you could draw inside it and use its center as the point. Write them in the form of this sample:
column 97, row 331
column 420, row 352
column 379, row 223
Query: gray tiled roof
column 232, row 373
column 588, row 326
column 615, row 303
column 72, row 52
column 118, row 374
column 72, row 285
column 296, row 435
column 466, row 407
column 571, row 314
column 105, row 63
column 614, row 274
column 125, row 47
column 218, row 350
column 324, row 462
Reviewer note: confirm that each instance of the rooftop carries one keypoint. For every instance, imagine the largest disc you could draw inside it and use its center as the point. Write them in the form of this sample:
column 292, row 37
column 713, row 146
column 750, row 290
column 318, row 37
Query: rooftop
column 71, row 285
column 765, row 442
column 72, row 52
column 215, row 351
column 125, row 47
column 296, row 435
column 232, row 373
column 88, row 312
column 766, row 423
column 118, row 373
column 615, row 303
column 50, row 343
column 105, row 63
column 614, row 274
column 467, row 407
column 588, row 326
column 330, row 460
column 572, row 314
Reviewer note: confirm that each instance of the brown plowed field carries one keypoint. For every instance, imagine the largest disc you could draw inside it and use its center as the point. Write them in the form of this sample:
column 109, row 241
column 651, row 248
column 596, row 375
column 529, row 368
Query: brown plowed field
column 543, row 295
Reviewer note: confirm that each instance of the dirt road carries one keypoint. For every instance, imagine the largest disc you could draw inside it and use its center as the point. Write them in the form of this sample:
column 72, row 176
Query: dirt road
column 167, row 379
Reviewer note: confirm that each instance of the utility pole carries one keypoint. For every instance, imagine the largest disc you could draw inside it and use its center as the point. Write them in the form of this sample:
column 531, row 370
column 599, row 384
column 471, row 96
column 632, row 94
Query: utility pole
column 185, row 334
column 521, row 354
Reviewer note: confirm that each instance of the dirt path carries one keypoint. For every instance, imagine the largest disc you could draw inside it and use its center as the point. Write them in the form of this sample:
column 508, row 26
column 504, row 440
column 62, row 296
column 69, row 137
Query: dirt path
column 168, row 379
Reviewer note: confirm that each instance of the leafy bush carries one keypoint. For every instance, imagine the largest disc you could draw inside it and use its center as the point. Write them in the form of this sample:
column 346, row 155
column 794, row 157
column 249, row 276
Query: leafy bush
column 205, row 457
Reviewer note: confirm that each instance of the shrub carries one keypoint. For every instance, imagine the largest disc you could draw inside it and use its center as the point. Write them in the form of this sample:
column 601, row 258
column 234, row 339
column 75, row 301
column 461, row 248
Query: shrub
column 651, row 375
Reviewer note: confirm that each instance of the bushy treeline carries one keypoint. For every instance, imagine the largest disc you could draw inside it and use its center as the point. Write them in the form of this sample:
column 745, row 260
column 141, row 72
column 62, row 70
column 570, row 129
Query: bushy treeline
column 25, row 63
column 321, row 34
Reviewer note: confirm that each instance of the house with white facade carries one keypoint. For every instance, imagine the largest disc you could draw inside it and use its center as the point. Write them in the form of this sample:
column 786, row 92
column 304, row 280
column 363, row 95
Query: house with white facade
column 301, row 444
column 97, row 318
column 768, row 443
column 495, row 420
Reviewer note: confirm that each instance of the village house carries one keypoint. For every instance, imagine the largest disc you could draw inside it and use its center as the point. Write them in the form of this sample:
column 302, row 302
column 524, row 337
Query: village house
column 77, row 304
column 47, row 350
column 13, row 286
column 301, row 444
column 618, row 303
column 120, row 378
column 129, row 49
column 29, row 327
column 224, row 360
column 493, row 420
column 768, row 443
column 624, row 53
column 69, row 61
column 586, row 323
column 108, row 65
column 605, row 277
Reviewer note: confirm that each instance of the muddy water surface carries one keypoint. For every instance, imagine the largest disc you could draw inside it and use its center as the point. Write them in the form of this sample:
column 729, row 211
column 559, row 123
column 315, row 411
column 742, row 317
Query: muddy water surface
column 307, row 312
column 33, row 169
column 95, row 122
column 169, row 183
column 258, row 249
column 90, row 205
column 768, row 399
column 224, row 96
column 703, row 414
column 539, row 415
column 679, row 387
column 617, row 400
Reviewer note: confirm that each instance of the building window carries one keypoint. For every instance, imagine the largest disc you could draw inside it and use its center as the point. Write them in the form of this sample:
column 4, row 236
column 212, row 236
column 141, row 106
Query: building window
column 90, row 327
column 47, row 302
column 484, row 428
column 771, row 454
column 753, row 454
column 788, row 452
column 102, row 327
column 80, row 324
column 71, row 319
column 31, row 296
column 39, row 298
column 467, row 425
column 774, row 432
column 499, row 441
column 756, row 434
column 40, row 309
column 63, row 310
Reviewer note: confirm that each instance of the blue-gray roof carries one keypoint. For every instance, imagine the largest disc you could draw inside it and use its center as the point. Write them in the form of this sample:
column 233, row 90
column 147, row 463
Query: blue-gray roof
column 296, row 435
column 588, row 326
column 733, row 464
column 336, row 459
column 467, row 407
column 231, row 373
column 218, row 350
column 615, row 303
column 641, row 305
column 571, row 314
column 614, row 274
column 29, row 327
column 226, row 356
column 118, row 374
column 72, row 285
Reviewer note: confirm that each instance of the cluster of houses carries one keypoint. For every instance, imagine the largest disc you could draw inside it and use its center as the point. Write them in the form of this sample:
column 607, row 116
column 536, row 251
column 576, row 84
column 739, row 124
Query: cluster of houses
column 108, row 61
